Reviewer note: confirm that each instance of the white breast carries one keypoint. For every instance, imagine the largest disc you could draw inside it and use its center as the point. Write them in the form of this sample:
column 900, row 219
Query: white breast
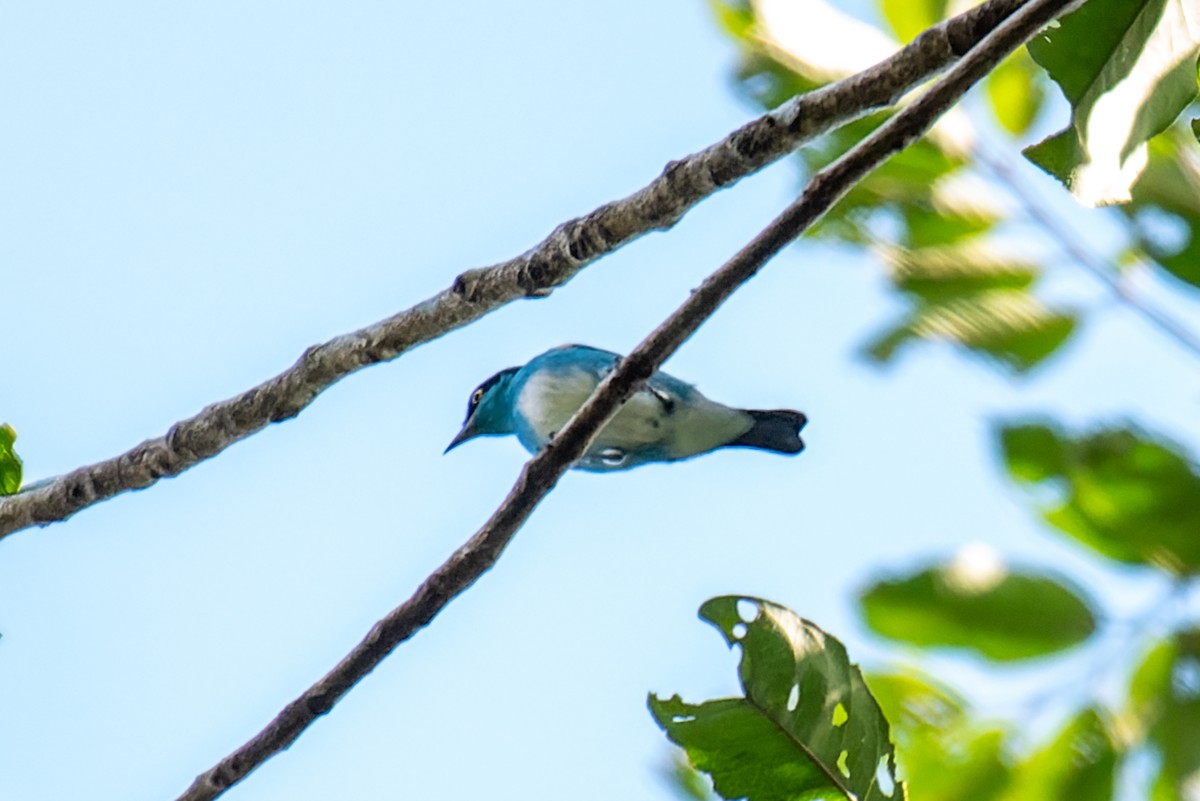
column 548, row 399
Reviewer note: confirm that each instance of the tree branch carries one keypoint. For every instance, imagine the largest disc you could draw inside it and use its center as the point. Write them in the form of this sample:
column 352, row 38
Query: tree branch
column 567, row 250
column 542, row 472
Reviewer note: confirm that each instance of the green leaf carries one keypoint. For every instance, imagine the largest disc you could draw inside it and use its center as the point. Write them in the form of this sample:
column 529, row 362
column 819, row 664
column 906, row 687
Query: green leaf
column 1121, row 491
column 807, row 727
column 10, row 463
column 918, row 197
column 1148, row 688
column 1011, row 327
column 687, row 782
column 944, row 219
column 773, row 70
column 1014, row 92
column 735, row 16
column 1165, row 704
column 1080, row 762
column 982, row 606
column 1169, row 193
column 908, row 18
column 1034, row 452
column 972, row 295
column 1128, row 68
column 767, row 83
column 943, row 754
column 949, row 272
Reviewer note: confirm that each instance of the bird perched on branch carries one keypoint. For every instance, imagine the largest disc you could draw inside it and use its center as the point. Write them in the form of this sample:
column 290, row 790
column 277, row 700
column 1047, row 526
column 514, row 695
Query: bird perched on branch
column 665, row 420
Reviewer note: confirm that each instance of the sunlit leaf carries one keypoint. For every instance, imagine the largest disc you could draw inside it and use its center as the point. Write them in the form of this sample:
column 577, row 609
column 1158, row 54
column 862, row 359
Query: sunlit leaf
column 1080, row 762
column 980, row 606
column 1128, row 68
column 907, row 18
column 797, row 47
column 10, row 463
column 807, row 726
column 1015, row 92
column 1148, row 687
column 919, row 199
column 735, row 16
column 817, row 39
column 688, row 783
column 1126, row 494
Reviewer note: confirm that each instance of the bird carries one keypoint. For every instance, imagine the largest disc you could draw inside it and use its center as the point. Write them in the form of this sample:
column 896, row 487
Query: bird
column 665, row 420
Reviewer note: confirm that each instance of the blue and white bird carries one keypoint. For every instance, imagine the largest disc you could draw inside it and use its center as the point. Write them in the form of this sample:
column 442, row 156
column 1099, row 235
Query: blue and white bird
column 665, row 420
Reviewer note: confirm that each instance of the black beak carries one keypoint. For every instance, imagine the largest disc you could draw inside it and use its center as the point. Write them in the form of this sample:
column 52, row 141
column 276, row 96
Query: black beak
column 462, row 436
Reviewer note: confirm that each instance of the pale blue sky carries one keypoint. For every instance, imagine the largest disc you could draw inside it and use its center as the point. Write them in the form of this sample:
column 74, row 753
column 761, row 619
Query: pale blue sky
column 191, row 194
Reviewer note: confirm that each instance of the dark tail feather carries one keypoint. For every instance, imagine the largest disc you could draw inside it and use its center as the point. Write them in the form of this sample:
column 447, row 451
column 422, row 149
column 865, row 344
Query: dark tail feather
column 777, row 430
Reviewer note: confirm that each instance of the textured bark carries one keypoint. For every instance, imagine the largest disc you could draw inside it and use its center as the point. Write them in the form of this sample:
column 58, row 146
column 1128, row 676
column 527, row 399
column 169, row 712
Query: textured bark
column 542, row 472
column 568, row 249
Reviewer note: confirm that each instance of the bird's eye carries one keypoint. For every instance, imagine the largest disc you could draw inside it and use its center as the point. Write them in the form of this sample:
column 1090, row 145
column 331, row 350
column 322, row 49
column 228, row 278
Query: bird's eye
column 477, row 397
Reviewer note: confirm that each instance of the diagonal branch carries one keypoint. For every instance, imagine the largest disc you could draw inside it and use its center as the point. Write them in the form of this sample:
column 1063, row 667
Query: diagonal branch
column 535, row 273
column 543, row 471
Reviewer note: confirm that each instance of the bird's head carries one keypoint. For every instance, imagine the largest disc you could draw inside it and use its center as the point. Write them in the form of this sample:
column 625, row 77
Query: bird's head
column 489, row 411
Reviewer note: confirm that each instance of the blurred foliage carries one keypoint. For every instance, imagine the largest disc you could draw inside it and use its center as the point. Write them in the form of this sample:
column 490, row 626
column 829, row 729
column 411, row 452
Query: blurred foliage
column 1130, row 496
column 937, row 215
column 1015, row 92
column 982, row 606
column 1164, row 706
column 944, row 753
column 973, row 296
column 688, row 783
column 909, row 17
column 1147, row 50
column 1165, row 211
column 10, row 463
column 934, row 230
column 807, row 727
column 1079, row 762
column 941, row 194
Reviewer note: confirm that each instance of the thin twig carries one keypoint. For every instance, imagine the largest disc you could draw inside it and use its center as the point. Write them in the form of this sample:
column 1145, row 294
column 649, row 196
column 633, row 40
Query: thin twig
column 553, row 262
column 1041, row 215
column 542, row 472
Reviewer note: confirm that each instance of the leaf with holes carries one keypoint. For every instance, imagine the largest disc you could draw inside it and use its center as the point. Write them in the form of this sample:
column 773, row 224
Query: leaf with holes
column 1121, row 491
column 1001, row 614
column 10, row 463
column 807, row 725
column 1128, row 68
